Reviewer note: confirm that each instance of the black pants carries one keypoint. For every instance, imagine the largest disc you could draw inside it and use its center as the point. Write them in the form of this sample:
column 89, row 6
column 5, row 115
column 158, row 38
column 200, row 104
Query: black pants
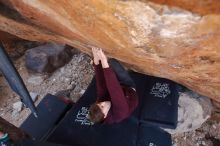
column 122, row 74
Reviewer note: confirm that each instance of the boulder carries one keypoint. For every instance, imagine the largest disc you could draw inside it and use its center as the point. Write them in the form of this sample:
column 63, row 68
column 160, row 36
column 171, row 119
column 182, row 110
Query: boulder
column 177, row 40
column 200, row 7
column 47, row 58
column 193, row 111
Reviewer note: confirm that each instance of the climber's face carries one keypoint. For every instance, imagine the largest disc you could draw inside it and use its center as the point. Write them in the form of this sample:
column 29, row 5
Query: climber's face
column 105, row 107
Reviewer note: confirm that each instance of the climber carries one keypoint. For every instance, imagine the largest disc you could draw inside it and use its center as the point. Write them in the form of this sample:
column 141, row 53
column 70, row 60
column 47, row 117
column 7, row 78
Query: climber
column 115, row 91
column 4, row 140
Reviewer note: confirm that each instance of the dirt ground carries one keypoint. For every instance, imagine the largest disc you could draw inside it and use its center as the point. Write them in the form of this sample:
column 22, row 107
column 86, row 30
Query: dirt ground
column 76, row 75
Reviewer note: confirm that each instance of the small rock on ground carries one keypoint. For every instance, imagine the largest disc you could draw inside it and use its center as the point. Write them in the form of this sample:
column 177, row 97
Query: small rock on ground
column 17, row 106
column 34, row 96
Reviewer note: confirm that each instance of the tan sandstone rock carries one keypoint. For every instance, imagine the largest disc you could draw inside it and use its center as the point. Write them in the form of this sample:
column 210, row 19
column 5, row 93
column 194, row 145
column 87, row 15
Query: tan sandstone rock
column 153, row 39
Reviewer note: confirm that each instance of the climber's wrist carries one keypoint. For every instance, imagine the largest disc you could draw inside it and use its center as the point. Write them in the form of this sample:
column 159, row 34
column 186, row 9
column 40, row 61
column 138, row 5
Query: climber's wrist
column 105, row 64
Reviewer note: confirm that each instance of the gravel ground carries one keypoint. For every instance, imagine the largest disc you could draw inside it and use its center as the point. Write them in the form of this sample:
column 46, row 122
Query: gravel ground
column 75, row 76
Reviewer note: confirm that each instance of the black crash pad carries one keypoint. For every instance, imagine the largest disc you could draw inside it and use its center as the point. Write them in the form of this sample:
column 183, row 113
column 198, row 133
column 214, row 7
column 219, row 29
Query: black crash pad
column 50, row 111
column 160, row 102
column 149, row 135
column 76, row 129
column 28, row 142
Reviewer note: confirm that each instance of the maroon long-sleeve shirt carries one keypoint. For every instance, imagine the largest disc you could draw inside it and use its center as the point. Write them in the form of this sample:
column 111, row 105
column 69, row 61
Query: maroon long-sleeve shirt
column 123, row 99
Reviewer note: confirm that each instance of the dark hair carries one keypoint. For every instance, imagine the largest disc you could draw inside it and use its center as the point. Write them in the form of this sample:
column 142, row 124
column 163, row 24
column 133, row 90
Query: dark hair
column 95, row 113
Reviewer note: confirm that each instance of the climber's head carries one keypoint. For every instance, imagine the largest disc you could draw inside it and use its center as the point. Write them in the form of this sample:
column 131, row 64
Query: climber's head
column 98, row 111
